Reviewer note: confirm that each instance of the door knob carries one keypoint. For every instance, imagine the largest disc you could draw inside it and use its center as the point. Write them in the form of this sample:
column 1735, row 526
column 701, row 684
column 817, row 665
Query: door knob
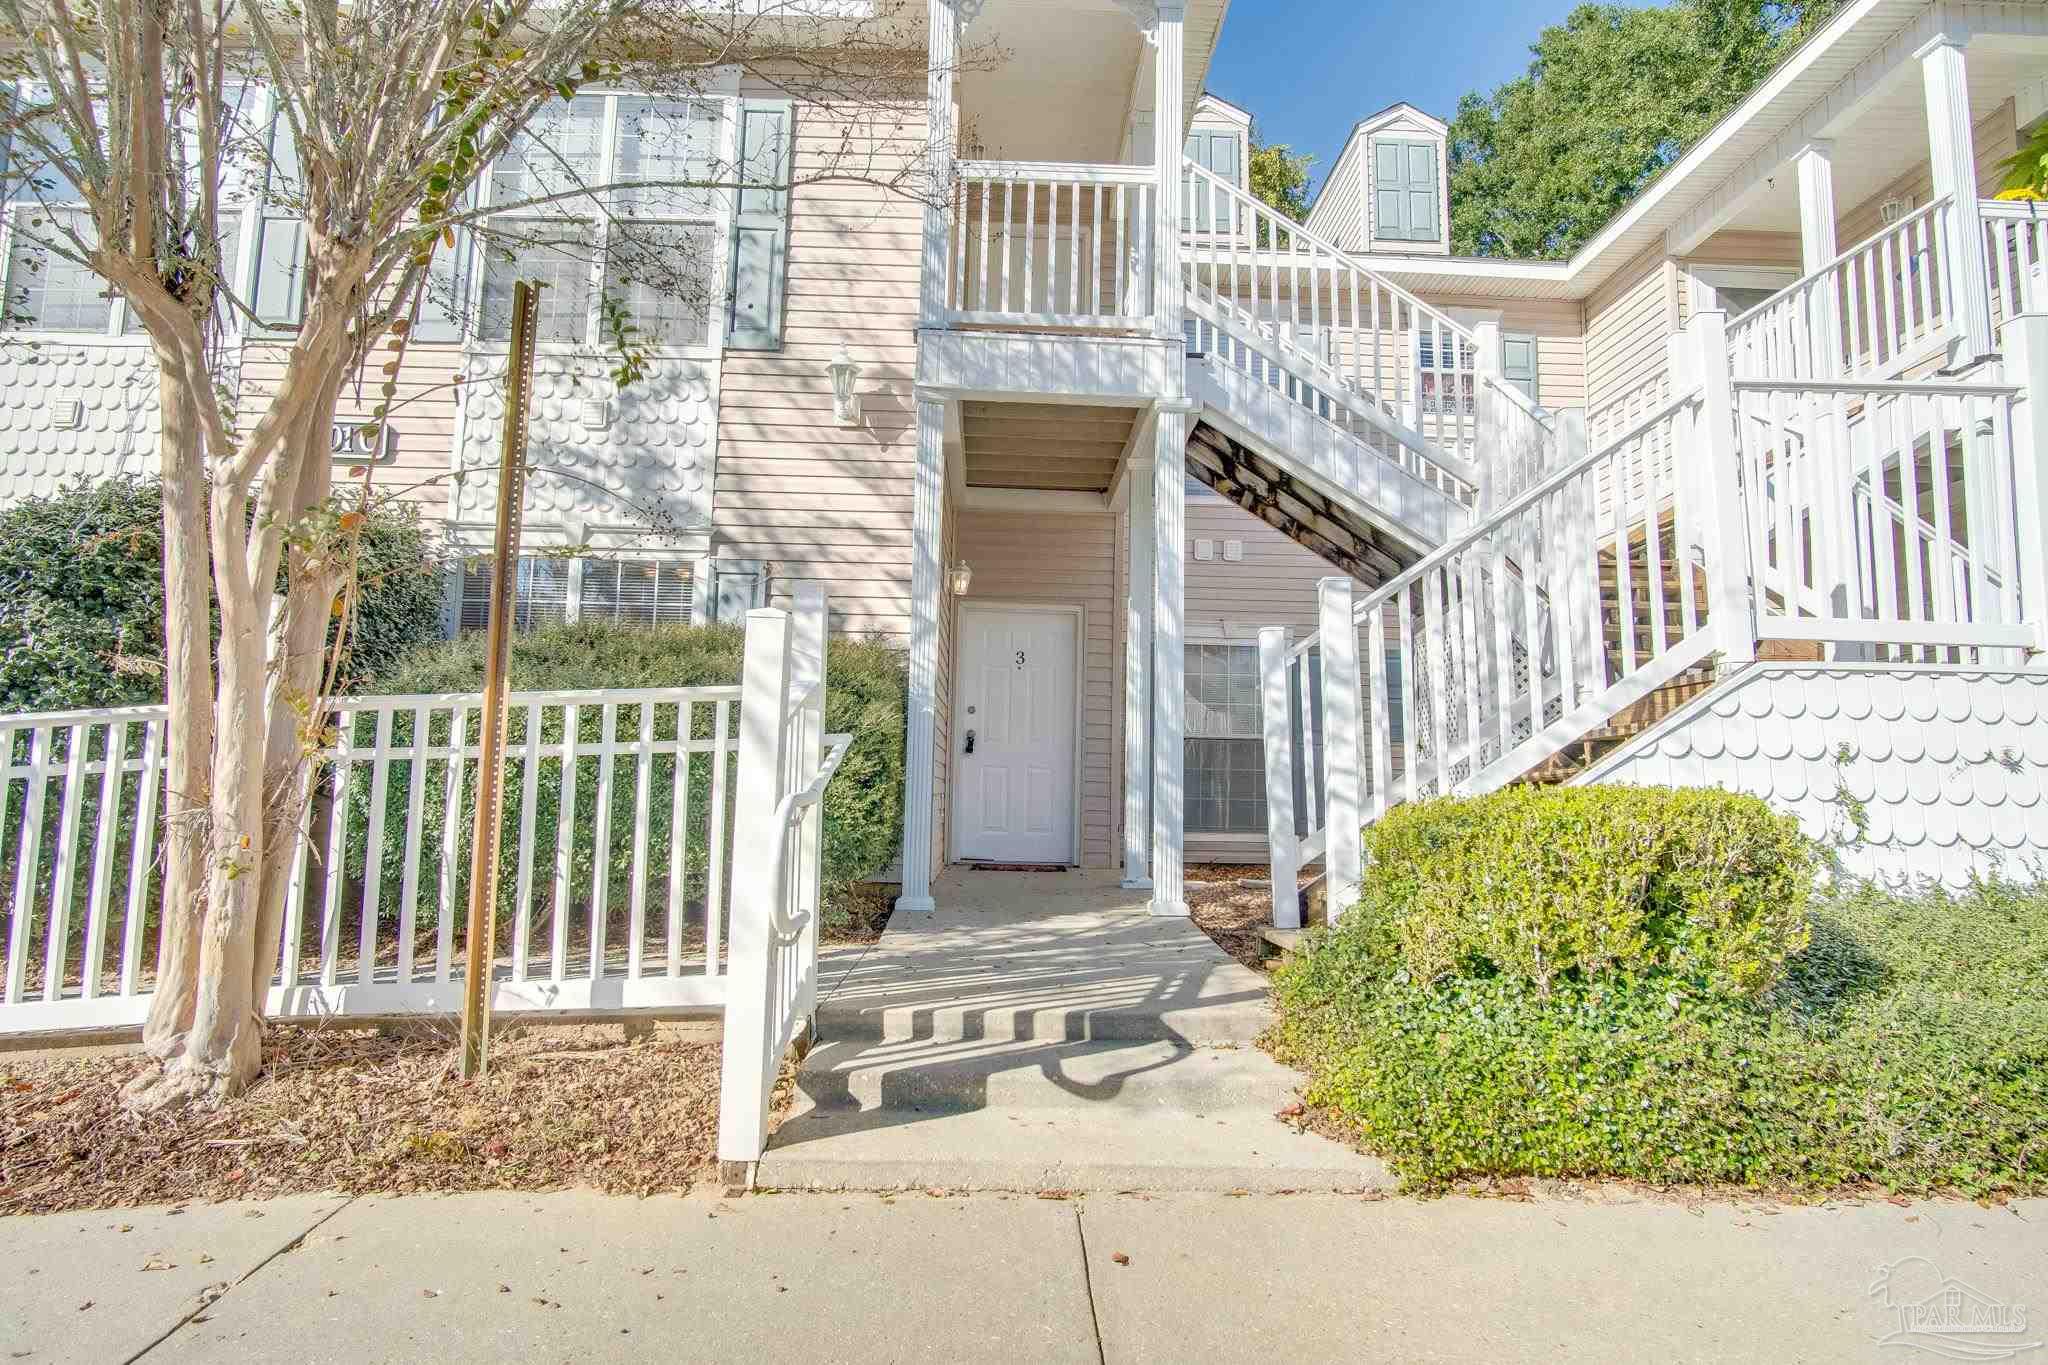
column 970, row 741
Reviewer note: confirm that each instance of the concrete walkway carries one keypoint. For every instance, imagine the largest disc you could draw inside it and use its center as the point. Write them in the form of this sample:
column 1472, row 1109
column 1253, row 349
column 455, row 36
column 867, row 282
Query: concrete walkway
column 1042, row 1031
column 1106, row 1278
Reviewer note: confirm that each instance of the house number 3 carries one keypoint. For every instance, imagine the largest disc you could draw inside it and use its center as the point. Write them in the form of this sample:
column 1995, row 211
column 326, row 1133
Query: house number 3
column 1020, row 658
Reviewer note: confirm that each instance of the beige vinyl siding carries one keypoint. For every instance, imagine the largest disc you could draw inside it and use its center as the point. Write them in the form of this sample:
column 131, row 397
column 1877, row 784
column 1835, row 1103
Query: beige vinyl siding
column 422, row 415
column 1995, row 137
column 1628, row 326
column 1064, row 560
column 818, row 501
column 1274, row 585
column 1559, row 328
column 1339, row 211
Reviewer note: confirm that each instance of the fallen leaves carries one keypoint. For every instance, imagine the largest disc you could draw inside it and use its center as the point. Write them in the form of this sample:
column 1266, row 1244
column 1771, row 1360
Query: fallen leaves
column 363, row 1112
column 1121, row 1258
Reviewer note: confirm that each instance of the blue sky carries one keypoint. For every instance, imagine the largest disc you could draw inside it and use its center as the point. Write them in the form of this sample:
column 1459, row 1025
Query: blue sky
column 1309, row 69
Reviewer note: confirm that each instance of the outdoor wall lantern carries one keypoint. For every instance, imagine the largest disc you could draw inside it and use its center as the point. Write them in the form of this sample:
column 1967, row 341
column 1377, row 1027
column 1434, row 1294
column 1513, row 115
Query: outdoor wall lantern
column 962, row 576
column 845, row 396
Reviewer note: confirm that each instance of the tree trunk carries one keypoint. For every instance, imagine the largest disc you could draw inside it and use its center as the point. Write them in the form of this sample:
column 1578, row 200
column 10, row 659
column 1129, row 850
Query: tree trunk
column 188, row 689
column 299, row 656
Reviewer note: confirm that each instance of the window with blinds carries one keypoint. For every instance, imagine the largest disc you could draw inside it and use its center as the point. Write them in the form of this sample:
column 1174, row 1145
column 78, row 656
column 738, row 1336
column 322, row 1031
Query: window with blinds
column 643, row 592
column 1225, row 763
column 646, row 592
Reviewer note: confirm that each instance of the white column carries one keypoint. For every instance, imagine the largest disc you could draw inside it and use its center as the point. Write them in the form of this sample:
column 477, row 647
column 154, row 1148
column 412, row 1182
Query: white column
column 1168, row 137
column 1816, row 165
column 1277, row 726
column 943, row 57
column 1138, row 681
column 1169, row 696
column 1953, row 156
column 927, row 600
column 2024, row 341
column 1343, row 755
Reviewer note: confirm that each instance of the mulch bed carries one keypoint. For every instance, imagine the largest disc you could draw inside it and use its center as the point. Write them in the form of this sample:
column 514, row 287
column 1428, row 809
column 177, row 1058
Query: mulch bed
column 1233, row 905
column 360, row 1111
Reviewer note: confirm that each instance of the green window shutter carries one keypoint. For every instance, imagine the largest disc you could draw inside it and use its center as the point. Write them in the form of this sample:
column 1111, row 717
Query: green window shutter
column 1518, row 364
column 760, row 225
column 1405, row 194
column 1422, row 196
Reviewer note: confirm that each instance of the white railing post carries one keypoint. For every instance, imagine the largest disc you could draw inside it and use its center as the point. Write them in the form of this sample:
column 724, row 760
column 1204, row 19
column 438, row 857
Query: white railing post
column 2025, row 343
column 1489, row 447
column 809, row 676
column 1722, row 505
column 1280, row 765
column 1343, row 759
column 750, row 1029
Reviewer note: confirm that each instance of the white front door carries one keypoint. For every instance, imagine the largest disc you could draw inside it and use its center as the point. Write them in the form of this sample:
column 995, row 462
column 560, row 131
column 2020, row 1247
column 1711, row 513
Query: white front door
column 1013, row 735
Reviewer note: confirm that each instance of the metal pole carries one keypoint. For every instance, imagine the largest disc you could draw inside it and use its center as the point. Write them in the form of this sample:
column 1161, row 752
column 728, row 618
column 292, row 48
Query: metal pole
column 483, row 857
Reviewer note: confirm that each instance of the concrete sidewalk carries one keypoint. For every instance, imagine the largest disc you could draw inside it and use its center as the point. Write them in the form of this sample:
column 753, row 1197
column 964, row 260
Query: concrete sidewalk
column 1106, row 1278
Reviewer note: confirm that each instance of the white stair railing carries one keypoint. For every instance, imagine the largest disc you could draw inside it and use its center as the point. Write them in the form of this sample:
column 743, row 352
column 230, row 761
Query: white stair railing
column 1581, row 594
column 1365, row 353
column 786, row 760
column 1881, row 517
column 1880, row 307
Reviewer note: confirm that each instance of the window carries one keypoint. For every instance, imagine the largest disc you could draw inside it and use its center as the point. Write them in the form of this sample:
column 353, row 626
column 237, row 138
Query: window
column 540, row 593
column 649, row 248
column 644, row 592
column 1441, row 377
column 1226, row 758
column 46, row 290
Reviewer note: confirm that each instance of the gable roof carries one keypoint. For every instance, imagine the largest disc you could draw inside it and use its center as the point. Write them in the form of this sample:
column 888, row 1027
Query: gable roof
column 1371, row 124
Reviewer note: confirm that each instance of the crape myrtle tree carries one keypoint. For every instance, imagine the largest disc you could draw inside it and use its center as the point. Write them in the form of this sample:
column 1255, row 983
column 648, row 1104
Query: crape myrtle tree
column 134, row 147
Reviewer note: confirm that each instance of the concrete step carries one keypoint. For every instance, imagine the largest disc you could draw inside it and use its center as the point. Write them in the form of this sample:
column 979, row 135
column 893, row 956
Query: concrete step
column 1079, row 1149
column 1034, row 1116
column 937, row 1077
column 1087, row 1014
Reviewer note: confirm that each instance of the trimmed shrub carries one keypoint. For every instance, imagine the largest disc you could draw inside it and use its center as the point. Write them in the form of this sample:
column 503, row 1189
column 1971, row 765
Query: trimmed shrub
column 1703, row 887
column 82, row 599
column 1906, row 1045
column 866, row 696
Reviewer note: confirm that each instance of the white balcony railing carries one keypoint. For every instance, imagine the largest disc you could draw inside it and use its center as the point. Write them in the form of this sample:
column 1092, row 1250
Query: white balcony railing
column 2016, row 251
column 1873, row 312
column 1053, row 245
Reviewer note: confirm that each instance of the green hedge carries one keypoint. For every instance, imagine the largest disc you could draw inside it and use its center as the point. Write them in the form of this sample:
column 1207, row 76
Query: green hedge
column 1904, row 1044
column 82, row 599
column 1543, row 883
column 866, row 696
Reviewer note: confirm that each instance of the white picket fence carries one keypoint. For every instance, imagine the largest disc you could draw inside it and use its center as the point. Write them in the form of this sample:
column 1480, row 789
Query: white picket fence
column 627, row 815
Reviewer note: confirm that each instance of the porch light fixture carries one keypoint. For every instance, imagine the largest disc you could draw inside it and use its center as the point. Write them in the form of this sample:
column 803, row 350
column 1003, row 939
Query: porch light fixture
column 1891, row 210
column 845, row 394
column 960, row 577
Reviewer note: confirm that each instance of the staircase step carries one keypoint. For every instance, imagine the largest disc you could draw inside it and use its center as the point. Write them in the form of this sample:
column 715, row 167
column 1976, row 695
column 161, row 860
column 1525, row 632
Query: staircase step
column 1047, row 1016
column 1036, row 1117
column 922, row 1076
